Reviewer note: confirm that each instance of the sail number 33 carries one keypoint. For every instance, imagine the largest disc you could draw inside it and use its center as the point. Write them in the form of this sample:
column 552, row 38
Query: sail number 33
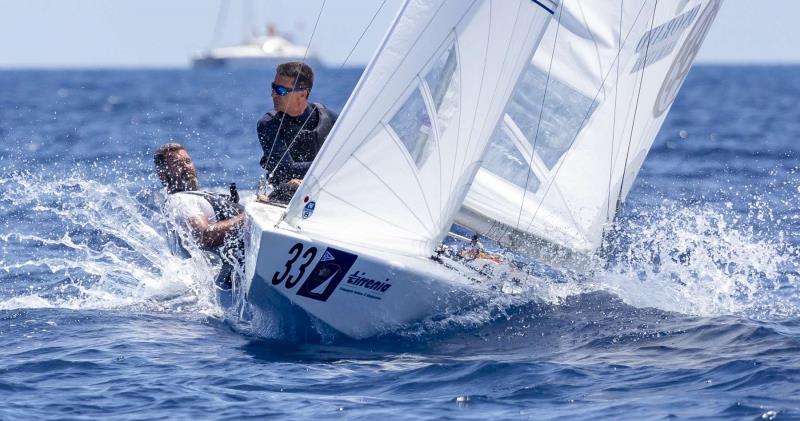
column 289, row 275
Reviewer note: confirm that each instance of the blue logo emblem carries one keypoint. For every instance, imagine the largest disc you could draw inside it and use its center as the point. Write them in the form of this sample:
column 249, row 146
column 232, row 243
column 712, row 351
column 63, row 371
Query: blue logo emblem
column 327, row 274
column 308, row 209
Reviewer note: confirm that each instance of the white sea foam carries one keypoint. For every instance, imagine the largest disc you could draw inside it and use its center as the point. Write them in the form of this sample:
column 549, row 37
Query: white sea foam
column 100, row 246
column 709, row 262
column 97, row 246
column 694, row 260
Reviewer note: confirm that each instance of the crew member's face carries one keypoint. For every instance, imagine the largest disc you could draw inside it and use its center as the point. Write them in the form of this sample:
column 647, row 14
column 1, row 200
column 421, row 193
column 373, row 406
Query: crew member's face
column 179, row 172
column 293, row 103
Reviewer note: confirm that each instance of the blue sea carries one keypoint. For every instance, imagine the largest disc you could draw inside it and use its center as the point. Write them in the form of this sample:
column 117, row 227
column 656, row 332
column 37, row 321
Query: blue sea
column 696, row 316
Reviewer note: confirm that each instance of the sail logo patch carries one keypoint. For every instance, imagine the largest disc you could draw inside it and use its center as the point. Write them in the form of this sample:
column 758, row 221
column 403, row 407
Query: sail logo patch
column 660, row 41
column 308, row 209
column 327, row 256
column 683, row 59
column 327, row 274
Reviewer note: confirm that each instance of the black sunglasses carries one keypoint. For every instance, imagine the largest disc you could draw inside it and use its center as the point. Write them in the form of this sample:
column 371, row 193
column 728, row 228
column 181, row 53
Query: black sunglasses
column 282, row 90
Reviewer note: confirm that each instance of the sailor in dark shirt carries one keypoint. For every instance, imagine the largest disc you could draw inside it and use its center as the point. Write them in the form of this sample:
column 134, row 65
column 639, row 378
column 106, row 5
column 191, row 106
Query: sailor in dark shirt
column 292, row 134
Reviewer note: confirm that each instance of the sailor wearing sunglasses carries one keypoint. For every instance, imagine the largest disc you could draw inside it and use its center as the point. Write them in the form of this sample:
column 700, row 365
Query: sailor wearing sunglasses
column 292, row 134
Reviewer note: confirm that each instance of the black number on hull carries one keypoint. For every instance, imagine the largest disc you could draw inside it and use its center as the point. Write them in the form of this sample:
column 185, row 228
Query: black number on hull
column 295, row 252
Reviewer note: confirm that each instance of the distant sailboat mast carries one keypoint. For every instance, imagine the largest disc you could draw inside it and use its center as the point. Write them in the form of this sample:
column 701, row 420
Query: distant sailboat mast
column 260, row 49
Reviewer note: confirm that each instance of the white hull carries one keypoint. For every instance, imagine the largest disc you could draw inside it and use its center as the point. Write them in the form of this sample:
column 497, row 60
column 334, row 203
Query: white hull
column 357, row 292
column 259, row 63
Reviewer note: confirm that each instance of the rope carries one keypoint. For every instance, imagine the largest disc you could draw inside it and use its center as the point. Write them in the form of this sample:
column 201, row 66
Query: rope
column 283, row 115
column 362, row 34
column 635, row 109
column 292, row 142
column 613, row 127
column 289, row 147
column 541, row 113
column 585, row 117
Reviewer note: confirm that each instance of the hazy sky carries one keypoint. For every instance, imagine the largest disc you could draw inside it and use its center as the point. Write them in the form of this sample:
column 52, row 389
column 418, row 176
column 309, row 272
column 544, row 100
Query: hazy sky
column 103, row 33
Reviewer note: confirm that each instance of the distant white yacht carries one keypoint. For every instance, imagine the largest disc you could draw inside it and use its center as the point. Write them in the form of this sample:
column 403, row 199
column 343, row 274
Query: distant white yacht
column 261, row 51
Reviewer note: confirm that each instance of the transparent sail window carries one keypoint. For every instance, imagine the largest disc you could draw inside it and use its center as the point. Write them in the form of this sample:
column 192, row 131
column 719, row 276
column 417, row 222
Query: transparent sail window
column 412, row 125
column 504, row 160
column 443, row 82
column 565, row 112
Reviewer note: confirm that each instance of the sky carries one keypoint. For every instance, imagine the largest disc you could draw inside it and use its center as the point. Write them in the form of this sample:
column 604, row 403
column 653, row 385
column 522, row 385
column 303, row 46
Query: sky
column 164, row 33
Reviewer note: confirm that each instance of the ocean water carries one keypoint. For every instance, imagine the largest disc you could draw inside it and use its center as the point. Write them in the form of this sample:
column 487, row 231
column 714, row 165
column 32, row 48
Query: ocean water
column 697, row 315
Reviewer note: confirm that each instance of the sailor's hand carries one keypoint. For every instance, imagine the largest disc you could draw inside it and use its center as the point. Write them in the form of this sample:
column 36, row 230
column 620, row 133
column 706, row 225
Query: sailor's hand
column 294, row 183
column 263, row 198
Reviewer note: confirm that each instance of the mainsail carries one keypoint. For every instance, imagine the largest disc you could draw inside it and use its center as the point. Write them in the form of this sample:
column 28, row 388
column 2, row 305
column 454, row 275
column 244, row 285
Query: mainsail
column 397, row 165
column 581, row 121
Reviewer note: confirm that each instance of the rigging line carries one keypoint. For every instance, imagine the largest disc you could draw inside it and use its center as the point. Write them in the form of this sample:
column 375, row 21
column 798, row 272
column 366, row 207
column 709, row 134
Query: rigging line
column 504, row 66
column 394, row 71
column 613, row 127
column 480, row 89
column 291, row 144
column 594, row 39
column 480, row 92
column 396, row 194
column 362, row 34
column 541, row 113
column 635, row 109
column 305, row 55
column 369, row 69
column 494, row 94
column 460, row 115
column 585, row 117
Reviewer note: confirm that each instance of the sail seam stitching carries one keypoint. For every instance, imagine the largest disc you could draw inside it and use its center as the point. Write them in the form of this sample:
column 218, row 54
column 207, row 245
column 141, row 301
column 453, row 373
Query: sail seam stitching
column 388, row 187
column 333, row 195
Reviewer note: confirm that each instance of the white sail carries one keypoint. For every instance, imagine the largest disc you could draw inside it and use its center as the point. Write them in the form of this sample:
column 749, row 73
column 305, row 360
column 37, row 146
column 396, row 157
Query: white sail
column 582, row 120
column 396, row 167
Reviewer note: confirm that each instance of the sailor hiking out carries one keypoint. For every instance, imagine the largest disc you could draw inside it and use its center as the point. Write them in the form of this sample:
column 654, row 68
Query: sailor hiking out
column 214, row 220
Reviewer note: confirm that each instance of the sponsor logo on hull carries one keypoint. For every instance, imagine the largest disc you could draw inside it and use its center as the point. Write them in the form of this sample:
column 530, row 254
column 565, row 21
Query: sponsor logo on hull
column 327, row 274
column 358, row 283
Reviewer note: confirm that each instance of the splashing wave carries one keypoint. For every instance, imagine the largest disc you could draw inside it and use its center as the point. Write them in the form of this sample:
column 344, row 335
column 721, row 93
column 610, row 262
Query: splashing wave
column 88, row 245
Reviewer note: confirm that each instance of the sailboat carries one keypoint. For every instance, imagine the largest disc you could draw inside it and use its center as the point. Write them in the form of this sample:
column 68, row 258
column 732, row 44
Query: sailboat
column 525, row 121
column 262, row 51
column 261, row 48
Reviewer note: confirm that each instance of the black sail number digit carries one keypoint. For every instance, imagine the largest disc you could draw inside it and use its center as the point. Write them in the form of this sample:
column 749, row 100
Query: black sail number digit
column 294, row 254
column 309, row 256
column 295, row 251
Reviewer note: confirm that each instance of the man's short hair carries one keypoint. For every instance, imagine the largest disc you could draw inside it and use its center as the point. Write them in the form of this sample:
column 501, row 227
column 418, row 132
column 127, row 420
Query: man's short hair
column 300, row 72
column 160, row 157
